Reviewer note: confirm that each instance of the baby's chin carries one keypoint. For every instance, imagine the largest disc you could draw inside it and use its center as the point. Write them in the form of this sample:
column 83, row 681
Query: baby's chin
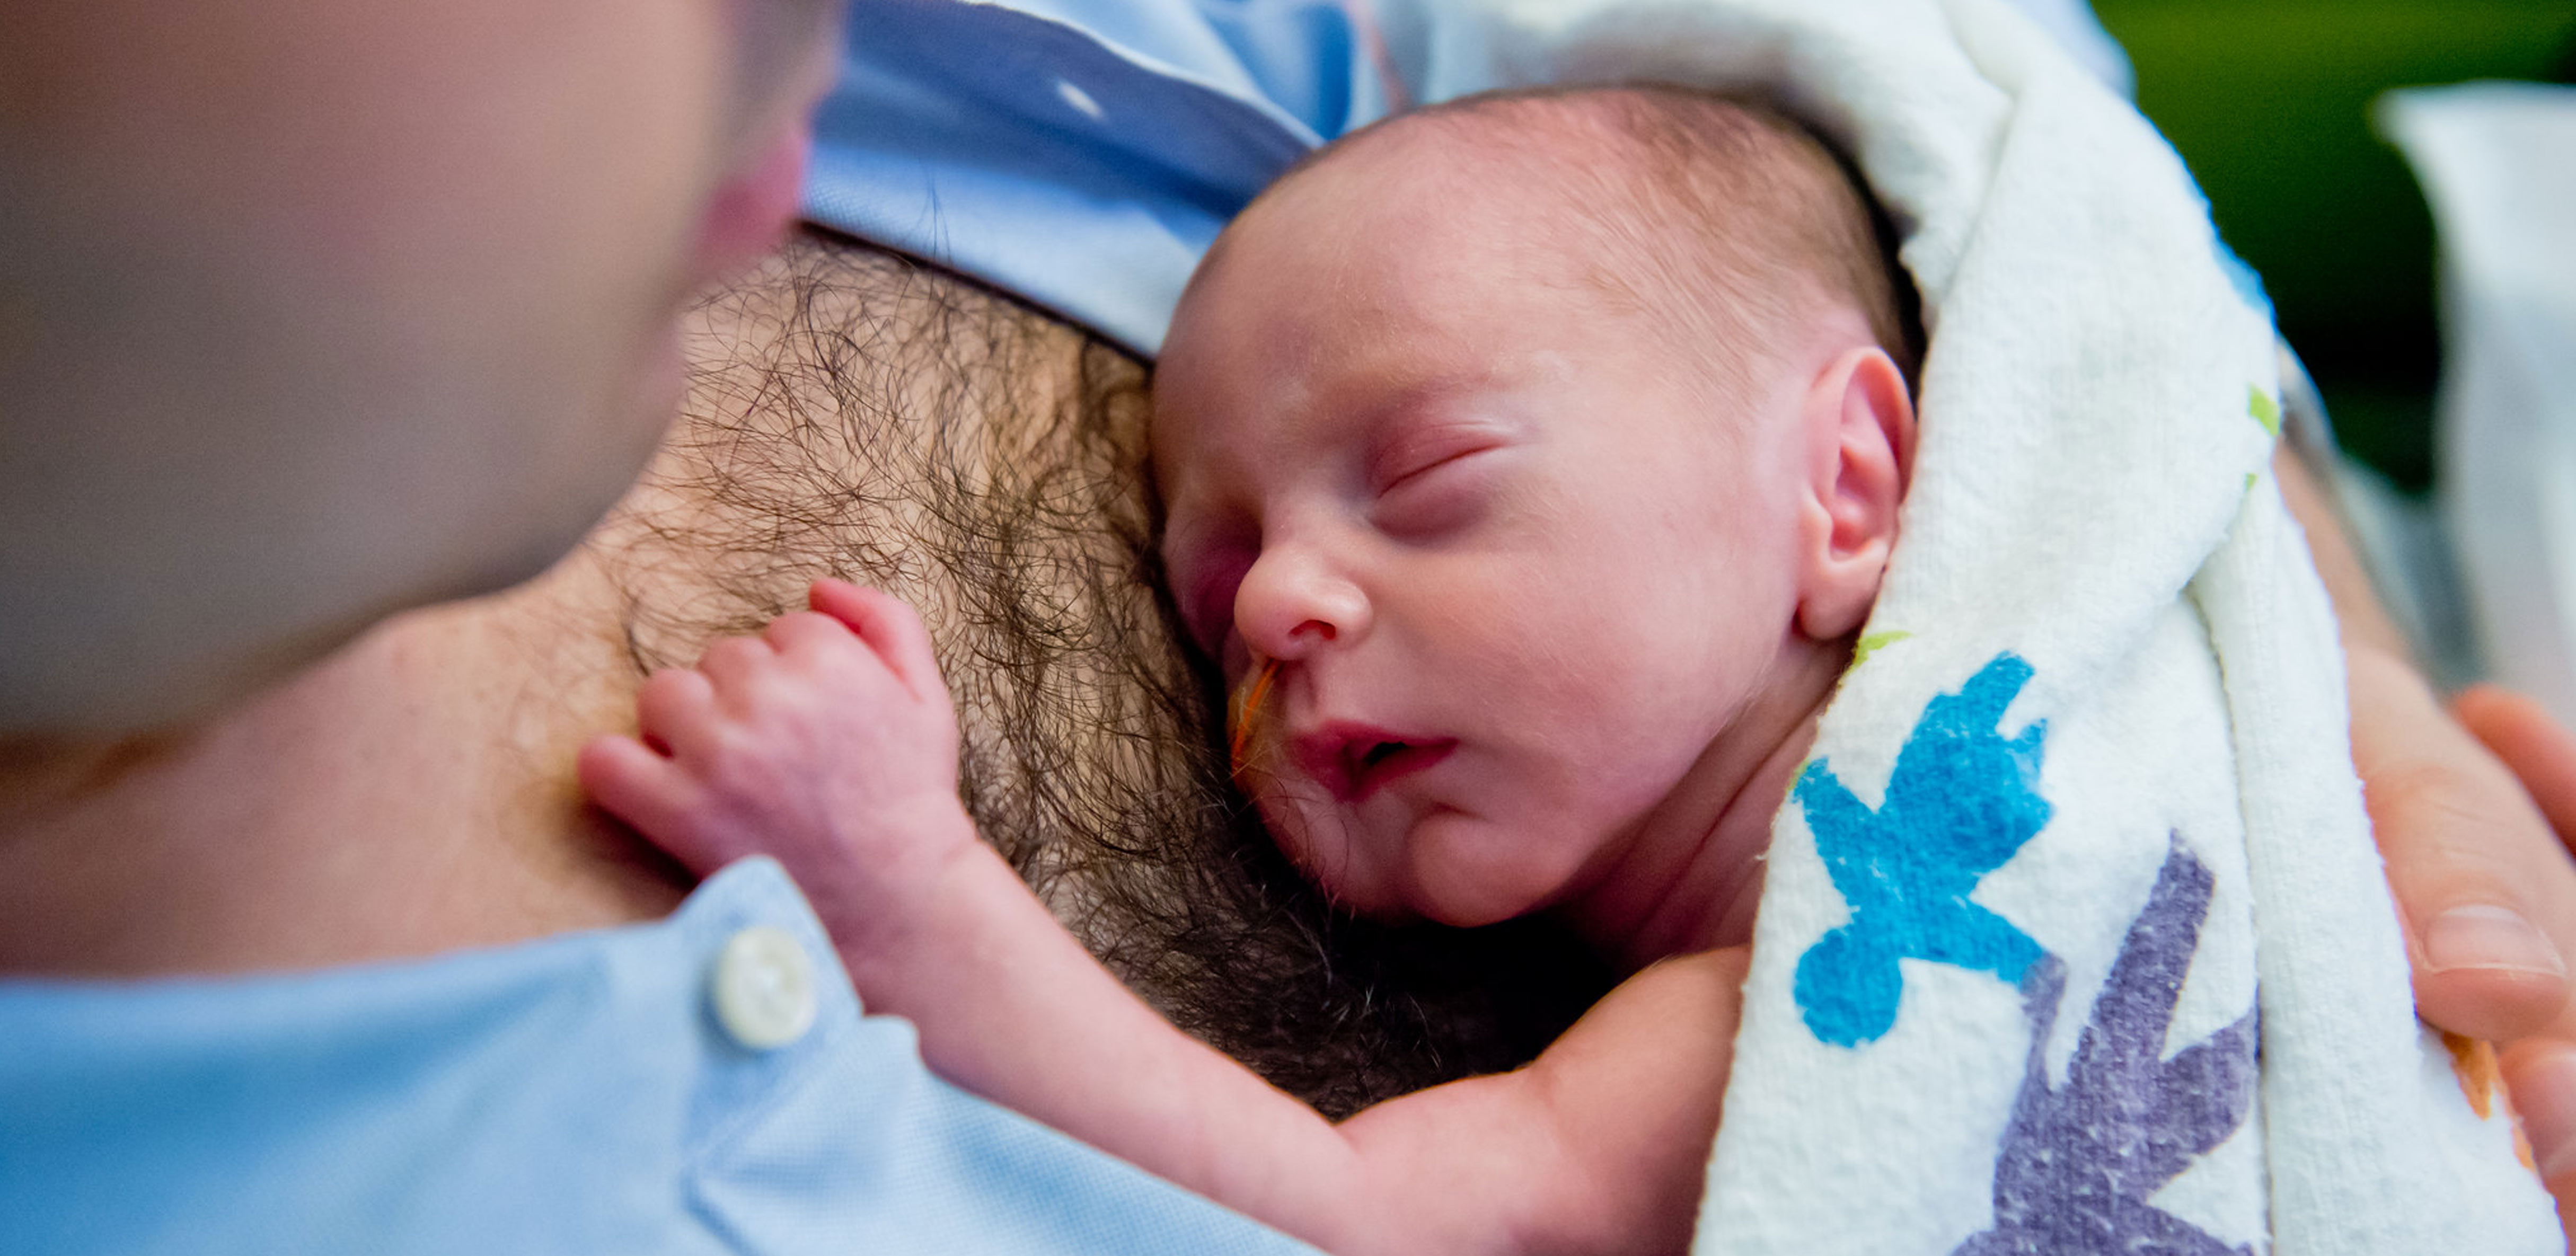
column 1447, row 867
column 1466, row 871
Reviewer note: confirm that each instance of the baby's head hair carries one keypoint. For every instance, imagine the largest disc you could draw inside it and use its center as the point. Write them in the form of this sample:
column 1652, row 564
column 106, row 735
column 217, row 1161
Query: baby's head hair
column 1720, row 215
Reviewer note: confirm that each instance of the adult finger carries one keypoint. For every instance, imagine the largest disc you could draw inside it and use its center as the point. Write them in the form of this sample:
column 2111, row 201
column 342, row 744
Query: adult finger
column 889, row 627
column 2537, row 748
column 2487, row 896
column 2540, row 1079
column 2539, row 1072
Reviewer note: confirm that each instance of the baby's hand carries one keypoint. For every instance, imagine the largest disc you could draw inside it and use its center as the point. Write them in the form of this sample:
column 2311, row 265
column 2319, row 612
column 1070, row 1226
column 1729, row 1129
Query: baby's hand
column 828, row 742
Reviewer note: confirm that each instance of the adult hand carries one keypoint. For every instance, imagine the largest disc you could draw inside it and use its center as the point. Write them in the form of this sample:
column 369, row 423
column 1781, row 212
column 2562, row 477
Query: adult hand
column 2478, row 860
column 2488, row 895
column 2540, row 1068
column 2482, row 875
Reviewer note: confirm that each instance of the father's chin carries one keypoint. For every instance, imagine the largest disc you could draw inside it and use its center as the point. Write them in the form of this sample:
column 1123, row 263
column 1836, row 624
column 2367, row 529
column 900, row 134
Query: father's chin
column 752, row 208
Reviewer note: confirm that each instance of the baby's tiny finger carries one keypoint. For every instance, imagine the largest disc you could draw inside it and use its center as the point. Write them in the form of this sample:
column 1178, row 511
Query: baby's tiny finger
column 806, row 630
column 650, row 793
column 676, row 710
column 732, row 661
column 889, row 627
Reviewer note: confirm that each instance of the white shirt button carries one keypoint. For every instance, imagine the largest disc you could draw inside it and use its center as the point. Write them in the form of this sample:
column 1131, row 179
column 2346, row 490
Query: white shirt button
column 763, row 988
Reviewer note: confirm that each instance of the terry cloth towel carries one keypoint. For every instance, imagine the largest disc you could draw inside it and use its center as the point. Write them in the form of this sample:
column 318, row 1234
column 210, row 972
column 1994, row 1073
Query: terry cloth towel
column 2074, row 938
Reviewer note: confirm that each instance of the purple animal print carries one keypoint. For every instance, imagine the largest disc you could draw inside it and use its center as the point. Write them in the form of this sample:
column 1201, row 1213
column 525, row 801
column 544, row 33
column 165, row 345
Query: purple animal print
column 2079, row 1161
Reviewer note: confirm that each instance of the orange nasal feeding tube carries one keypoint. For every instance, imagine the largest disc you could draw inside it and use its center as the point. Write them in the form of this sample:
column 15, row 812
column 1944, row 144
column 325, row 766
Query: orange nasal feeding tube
column 1245, row 709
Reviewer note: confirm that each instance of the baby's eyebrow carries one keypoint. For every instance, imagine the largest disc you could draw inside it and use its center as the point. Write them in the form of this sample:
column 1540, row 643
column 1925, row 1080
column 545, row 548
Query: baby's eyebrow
column 1429, row 393
column 1384, row 421
column 1439, row 405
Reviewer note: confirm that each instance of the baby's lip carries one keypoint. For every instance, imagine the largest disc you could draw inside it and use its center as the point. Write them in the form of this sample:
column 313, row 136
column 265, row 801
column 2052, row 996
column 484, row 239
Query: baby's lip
column 1355, row 760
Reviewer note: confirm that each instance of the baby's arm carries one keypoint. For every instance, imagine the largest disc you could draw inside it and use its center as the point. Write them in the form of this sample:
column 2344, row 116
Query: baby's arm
column 829, row 742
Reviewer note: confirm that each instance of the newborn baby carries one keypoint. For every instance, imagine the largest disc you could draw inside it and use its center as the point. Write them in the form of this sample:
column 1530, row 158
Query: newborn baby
column 1529, row 464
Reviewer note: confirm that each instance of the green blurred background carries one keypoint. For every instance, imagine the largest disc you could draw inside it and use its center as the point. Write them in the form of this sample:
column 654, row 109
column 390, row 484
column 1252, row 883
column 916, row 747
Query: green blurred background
column 2269, row 102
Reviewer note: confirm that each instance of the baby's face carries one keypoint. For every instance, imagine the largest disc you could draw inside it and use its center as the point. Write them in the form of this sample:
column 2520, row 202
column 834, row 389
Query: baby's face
column 1520, row 563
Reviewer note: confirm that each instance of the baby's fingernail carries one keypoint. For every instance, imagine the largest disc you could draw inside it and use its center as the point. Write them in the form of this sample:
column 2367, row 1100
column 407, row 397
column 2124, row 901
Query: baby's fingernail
column 2489, row 938
column 2544, row 1096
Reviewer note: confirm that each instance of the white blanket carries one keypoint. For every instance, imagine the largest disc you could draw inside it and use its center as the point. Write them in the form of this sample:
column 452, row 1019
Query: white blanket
column 2085, row 802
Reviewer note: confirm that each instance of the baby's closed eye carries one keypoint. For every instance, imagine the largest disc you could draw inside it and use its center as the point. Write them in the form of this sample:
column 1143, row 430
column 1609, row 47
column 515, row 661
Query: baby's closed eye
column 1440, row 495
column 1426, row 478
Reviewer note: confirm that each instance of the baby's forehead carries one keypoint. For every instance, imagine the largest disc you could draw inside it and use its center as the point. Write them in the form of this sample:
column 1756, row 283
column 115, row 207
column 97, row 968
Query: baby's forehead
column 1634, row 190
column 1559, row 151
column 1666, row 197
column 1453, row 201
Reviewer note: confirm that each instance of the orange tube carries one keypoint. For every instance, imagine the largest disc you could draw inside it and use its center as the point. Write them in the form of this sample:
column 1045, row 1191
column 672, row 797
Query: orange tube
column 1246, row 706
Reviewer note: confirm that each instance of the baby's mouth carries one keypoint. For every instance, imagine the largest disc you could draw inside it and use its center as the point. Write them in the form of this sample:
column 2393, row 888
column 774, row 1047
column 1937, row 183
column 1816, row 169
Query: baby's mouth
column 1351, row 760
column 1355, row 763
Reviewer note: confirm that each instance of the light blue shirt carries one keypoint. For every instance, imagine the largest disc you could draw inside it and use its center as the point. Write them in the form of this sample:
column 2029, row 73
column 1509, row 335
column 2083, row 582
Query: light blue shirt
column 576, row 1094
column 1082, row 154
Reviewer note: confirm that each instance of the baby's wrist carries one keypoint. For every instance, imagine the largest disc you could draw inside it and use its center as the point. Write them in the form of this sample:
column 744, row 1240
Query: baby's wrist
column 875, row 901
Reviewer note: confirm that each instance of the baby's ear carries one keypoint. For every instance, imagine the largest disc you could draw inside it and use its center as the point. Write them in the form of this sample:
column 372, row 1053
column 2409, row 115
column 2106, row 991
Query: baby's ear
column 1859, row 426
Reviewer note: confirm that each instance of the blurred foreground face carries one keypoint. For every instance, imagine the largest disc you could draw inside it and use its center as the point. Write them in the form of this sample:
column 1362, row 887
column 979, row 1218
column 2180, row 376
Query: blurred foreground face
column 311, row 310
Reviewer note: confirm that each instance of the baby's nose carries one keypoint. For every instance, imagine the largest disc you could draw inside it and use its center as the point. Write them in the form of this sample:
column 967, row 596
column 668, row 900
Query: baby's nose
column 1291, row 604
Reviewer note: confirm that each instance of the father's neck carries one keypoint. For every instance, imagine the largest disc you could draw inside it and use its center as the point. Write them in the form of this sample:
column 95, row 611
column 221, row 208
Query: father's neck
column 408, row 795
column 414, row 793
column 1691, row 875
